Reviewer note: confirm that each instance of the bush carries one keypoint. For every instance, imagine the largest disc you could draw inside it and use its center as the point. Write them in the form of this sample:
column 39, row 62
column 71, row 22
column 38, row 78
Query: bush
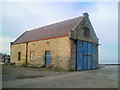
column 12, row 63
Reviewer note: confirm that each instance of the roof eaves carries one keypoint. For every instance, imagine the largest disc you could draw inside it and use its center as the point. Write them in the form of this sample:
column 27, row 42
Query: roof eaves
column 19, row 37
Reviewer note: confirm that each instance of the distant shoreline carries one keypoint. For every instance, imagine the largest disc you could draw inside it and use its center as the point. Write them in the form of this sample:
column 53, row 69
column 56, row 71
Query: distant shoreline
column 109, row 64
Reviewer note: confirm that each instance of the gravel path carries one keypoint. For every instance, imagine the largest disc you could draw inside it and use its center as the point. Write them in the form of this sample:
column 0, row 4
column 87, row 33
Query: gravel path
column 11, row 72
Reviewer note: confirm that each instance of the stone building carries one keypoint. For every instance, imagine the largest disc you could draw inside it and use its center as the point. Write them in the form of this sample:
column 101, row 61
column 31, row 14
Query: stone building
column 69, row 45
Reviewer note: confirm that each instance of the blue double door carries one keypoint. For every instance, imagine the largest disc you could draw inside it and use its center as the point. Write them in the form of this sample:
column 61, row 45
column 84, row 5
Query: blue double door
column 86, row 55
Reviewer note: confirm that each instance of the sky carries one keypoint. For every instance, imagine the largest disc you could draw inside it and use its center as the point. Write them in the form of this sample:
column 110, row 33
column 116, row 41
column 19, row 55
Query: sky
column 18, row 17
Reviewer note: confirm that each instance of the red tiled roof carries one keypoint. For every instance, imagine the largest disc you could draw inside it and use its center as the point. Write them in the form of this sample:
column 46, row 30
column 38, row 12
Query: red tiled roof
column 49, row 31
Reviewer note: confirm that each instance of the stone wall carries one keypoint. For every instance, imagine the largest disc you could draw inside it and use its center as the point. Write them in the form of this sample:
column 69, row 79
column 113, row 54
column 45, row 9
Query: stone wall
column 59, row 51
column 15, row 49
column 78, row 32
column 62, row 49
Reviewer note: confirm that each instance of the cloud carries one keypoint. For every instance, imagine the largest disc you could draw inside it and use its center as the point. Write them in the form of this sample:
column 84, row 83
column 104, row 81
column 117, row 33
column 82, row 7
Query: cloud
column 27, row 16
column 105, row 21
column 59, row 0
column 19, row 17
column 104, row 17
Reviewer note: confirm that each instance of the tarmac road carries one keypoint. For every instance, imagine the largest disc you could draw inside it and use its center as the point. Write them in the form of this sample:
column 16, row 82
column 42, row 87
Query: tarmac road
column 106, row 77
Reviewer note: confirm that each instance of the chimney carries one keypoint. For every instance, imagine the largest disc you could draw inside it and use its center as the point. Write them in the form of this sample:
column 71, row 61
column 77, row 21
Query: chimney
column 85, row 15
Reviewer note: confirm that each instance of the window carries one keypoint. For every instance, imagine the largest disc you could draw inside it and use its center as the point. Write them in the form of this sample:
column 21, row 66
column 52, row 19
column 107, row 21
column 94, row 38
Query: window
column 31, row 55
column 86, row 32
column 19, row 55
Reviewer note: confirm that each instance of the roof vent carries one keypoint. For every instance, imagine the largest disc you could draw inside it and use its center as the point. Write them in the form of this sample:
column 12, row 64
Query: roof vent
column 85, row 15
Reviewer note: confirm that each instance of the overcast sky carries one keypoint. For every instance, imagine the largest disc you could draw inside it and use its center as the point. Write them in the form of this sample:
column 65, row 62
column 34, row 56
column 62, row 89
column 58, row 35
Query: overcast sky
column 20, row 17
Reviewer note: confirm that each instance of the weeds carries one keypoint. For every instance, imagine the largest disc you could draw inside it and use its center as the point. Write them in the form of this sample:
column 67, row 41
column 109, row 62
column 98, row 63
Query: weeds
column 12, row 64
